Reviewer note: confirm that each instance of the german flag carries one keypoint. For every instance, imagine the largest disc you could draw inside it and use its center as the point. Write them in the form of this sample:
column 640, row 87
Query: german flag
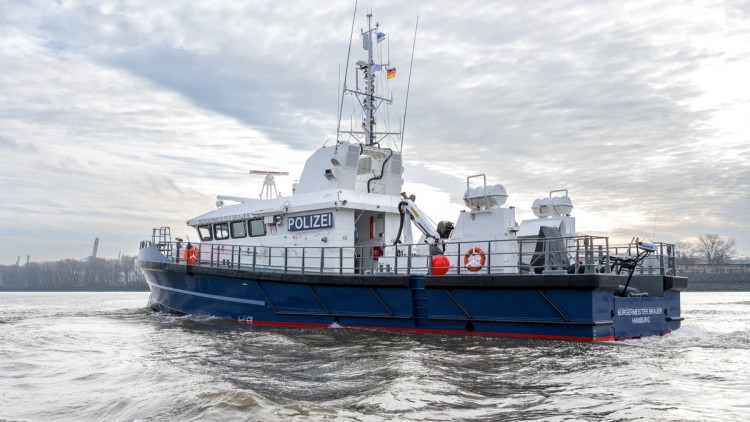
column 391, row 73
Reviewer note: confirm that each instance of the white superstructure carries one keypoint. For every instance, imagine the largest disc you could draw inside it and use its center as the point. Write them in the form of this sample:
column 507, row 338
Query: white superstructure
column 349, row 199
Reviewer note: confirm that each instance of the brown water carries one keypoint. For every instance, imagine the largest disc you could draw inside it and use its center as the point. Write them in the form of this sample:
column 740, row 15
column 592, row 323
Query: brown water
column 105, row 356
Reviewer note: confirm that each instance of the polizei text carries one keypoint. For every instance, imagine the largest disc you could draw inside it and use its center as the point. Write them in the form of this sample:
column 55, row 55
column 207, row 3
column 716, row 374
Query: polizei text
column 309, row 222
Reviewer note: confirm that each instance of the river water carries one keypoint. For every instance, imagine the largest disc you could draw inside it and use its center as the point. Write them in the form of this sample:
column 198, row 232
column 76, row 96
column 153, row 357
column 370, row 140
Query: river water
column 105, row 356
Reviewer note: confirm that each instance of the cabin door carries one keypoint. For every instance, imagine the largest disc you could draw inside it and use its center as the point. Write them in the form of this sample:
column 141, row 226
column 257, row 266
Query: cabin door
column 369, row 230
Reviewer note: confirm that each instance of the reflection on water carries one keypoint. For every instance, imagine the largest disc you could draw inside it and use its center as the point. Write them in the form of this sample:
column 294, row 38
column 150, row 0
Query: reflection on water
column 104, row 356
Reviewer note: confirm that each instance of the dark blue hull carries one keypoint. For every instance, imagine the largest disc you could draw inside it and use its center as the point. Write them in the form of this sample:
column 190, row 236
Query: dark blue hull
column 567, row 307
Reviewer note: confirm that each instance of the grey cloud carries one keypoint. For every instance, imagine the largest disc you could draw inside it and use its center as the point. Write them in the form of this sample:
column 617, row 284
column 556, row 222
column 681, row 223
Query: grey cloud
column 255, row 98
column 7, row 143
column 599, row 97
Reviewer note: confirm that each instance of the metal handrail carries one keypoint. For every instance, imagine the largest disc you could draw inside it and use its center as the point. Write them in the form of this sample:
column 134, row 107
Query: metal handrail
column 581, row 254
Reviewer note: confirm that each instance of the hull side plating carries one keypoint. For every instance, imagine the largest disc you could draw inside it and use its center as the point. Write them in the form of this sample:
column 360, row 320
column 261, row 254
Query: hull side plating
column 566, row 307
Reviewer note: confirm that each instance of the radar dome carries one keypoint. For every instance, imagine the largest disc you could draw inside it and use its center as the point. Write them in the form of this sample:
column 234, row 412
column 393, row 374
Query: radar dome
column 562, row 205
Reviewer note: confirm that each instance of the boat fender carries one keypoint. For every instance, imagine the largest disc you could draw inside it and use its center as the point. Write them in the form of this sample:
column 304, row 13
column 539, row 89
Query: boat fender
column 191, row 255
column 470, row 259
column 440, row 265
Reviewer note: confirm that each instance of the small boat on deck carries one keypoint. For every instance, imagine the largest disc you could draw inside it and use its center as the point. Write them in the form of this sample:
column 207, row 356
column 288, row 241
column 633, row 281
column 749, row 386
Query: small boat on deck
column 341, row 251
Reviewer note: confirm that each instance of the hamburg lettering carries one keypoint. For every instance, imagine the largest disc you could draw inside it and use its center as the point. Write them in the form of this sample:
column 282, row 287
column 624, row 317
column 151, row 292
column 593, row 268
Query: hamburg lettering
column 309, row 222
column 639, row 315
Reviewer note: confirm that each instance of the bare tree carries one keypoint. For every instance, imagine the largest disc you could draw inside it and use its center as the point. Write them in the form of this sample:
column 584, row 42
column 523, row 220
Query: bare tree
column 716, row 250
column 685, row 253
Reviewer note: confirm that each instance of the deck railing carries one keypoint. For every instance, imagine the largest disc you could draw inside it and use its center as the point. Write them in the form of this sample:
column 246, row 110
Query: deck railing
column 571, row 255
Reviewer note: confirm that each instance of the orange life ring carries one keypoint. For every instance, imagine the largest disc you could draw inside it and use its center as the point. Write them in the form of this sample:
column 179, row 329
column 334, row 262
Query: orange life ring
column 470, row 254
column 191, row 255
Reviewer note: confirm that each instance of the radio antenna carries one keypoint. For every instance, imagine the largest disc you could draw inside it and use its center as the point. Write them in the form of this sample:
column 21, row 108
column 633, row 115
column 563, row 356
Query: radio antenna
column 408, row 85
column 346, row 72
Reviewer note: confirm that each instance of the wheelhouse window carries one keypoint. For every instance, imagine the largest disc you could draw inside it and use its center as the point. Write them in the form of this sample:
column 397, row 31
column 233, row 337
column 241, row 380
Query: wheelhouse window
column 256, row 226
column 204, row 232
column 238, row 229
column 221, row 231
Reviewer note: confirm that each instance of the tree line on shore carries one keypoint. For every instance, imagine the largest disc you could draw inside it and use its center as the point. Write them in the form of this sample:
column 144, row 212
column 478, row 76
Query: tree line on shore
column 709, row 248
column 71, row 274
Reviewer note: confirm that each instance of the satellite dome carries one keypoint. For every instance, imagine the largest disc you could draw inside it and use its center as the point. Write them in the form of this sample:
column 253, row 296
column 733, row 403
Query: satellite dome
column 562, row 205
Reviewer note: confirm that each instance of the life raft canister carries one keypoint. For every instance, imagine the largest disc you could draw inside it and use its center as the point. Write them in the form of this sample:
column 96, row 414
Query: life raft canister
column 470, row 261
column 191, row 255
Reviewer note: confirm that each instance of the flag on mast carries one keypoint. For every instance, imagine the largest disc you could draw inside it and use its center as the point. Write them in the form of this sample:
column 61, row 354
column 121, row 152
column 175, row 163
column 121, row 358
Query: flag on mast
column 380, row 36
column 391, row 73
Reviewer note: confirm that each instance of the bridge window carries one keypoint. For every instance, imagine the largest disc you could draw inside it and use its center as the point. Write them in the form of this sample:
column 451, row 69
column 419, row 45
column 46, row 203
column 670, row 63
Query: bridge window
column 238, row 229
column 256, row 226
column 204, row 232
column 221, row 231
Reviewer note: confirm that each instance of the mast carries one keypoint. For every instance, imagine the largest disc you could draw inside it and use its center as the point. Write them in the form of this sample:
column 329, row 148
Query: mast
column 368, row 100
column 369, row 103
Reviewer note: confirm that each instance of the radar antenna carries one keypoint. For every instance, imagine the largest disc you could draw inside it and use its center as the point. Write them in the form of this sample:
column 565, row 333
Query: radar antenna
column 269, row 183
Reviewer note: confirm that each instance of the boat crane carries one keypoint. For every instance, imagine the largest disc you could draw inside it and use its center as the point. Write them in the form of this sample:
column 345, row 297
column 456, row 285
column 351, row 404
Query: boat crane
column 408, row 207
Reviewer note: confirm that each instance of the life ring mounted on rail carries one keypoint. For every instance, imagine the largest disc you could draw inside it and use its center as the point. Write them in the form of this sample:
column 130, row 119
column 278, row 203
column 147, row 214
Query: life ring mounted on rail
column 191, row 255
column 470, row 259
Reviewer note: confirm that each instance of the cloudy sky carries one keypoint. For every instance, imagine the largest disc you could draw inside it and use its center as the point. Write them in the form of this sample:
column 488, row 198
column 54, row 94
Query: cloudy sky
column 120, row 116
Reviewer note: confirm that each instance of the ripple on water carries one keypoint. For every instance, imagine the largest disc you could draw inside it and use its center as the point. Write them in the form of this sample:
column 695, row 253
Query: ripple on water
column 119, row 362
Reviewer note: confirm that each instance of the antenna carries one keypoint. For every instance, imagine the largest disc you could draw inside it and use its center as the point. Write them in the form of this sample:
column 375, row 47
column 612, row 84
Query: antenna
column 408, row 85
column 368, row 100
column 346, row 71
column 269, row 182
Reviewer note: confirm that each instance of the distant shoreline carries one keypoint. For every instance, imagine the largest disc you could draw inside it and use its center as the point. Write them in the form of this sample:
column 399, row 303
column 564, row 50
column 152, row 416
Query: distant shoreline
column 728, row 282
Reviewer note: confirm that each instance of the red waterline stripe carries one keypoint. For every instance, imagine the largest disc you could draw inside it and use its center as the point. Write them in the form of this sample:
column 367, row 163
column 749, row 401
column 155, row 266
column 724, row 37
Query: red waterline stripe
column 433, row 331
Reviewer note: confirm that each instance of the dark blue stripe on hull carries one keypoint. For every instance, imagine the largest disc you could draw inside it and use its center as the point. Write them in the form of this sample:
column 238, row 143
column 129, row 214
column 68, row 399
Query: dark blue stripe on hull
column 555, row 314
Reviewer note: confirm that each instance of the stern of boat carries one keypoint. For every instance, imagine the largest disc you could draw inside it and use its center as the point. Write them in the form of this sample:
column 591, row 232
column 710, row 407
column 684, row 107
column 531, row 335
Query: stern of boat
column 636, row 317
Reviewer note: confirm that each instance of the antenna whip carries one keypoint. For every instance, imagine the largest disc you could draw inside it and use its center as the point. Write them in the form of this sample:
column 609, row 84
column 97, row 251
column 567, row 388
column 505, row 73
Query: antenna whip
column 346, row 72
column 408, row 85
